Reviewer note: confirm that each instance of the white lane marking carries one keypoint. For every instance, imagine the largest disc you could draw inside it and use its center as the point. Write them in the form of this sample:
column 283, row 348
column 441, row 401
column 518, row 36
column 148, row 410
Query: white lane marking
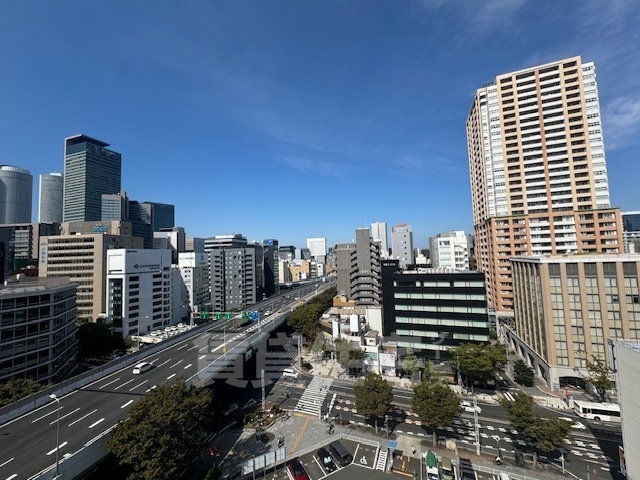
column 155, row 360
column 204, row 348
column 195, row 346
column 215, row 336
column 140, row 384
column 96, row 423
column 65, row 416
column 171, row 376
column 3, row 464
column 183, row 346
column 40, row 418
column 54, row 450
column 188, row 366
column 164, row 363
column 82, row 418
column 12, row 476
column 127, row 404
column 177, row 363
column 125, row 383
column 107, row 384
column 201, row 356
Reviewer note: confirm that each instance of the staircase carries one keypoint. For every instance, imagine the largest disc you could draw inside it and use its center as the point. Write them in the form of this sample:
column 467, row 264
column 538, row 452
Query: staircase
column 314, row 395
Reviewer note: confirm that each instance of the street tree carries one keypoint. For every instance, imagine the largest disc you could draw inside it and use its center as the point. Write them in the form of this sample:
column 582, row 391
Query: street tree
column 544, row 433
column 163, row 432
column 599, row 375
column 13, row 390
column 410, row 362
column 373, row 397
column 435, row 403
column 349, row 356
column 477, row 361
column 96, row 339
column 306, row 318
column 523, row 373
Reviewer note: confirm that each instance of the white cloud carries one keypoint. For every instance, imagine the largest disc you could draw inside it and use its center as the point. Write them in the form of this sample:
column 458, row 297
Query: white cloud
column 621, row 121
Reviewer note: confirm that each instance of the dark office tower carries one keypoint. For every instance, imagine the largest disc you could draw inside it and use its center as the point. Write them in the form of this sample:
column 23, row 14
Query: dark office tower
column 271, row 271
column 50, row 194
column 287, row 252
column 16, row 188
column 305, row 254
column 90, row 170
column 162, row 215
column 358, row 269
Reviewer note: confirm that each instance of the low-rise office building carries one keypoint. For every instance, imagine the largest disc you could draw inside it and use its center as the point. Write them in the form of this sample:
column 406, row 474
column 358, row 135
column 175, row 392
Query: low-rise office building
column 82, row 258
column 38, row 329
column 139, row 296
column 431, row 311
column 566, row 308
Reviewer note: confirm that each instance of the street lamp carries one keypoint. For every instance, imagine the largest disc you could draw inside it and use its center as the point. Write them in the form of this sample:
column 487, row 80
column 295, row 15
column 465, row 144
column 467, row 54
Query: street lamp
column 53, row 397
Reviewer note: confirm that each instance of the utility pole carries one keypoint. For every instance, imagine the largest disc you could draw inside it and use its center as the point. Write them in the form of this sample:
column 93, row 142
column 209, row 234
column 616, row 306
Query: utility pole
column 264, row 399
column 477, row 425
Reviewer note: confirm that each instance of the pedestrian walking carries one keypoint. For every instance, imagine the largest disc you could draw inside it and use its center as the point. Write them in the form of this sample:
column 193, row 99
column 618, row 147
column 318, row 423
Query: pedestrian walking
column 413, row 450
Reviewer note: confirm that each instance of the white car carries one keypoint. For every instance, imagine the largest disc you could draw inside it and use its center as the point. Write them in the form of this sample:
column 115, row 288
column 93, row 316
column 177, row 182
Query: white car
column 469, row 407
column 574, row 423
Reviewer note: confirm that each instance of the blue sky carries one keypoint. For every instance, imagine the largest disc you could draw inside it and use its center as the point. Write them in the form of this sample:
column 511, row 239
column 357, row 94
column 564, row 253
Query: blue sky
column 297, row 119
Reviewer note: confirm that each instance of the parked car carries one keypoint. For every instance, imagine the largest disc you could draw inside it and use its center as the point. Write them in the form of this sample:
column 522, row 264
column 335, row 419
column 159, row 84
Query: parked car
column 326, row 461
column 297, row 470
column 231, row 408
column 469, row 407
column 574, row 423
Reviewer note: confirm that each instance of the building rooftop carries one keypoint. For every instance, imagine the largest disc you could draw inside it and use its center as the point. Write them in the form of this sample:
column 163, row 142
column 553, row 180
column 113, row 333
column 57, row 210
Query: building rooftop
column 22, row 284
column 82, row 138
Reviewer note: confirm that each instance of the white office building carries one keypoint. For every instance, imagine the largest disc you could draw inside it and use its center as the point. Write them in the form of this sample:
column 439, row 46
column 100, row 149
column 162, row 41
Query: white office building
column 317, row 247
column 50, row 198
column 139, row 294
column 402, row 244
column 379, row 234
column 194, row 270
column 450, row 250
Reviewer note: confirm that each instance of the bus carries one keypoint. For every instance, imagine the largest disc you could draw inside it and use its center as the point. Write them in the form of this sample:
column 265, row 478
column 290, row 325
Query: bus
column 609, row 412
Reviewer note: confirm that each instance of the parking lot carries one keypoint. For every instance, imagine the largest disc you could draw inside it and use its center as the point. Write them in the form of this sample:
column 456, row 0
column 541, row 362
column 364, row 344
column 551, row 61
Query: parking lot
column 361, row 468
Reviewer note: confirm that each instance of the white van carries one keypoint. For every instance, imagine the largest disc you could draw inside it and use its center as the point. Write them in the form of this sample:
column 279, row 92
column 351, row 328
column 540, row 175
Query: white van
column 142, row 367
column 289, row 372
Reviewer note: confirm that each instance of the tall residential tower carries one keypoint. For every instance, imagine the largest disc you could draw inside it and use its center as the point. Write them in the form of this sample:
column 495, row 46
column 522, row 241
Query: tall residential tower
column 538, row 171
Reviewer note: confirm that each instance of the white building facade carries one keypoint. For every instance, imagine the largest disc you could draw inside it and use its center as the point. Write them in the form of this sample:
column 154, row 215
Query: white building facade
column 379, row 234
column 402, row 244
column 317, row 247
column 138, row 290
column 450, row 250
column 194, row 270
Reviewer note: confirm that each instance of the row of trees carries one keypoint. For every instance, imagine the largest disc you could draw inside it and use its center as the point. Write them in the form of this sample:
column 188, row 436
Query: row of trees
column 305, row 318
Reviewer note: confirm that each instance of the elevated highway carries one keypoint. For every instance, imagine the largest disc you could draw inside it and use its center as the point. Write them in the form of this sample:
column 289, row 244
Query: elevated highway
column 90, row 407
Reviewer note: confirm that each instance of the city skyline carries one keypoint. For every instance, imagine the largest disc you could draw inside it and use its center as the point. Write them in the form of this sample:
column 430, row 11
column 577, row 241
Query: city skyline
column 313, row 95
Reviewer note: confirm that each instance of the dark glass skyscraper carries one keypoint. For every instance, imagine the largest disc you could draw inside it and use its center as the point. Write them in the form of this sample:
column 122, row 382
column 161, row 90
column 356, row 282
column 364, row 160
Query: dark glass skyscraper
column 162, row 214
column 90, row 170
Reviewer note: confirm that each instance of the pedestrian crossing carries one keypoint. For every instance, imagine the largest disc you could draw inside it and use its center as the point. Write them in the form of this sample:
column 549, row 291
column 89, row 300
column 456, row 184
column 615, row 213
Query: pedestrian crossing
column 381, row 462
column 313, row 397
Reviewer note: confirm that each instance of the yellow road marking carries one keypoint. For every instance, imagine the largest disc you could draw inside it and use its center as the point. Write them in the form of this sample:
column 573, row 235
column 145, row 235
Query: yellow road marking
column 295, row 444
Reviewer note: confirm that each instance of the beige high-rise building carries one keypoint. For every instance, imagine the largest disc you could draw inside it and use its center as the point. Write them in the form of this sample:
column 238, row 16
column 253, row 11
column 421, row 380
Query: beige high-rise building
column 538, row 171
column 83, row 258
column 568, row 307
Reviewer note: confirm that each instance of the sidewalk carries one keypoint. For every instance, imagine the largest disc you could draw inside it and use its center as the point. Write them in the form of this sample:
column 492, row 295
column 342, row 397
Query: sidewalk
column 303, row 433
